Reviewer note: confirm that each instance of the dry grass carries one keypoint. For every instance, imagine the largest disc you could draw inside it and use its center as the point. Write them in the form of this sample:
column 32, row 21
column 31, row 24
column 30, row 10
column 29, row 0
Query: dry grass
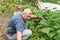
column 3, row 22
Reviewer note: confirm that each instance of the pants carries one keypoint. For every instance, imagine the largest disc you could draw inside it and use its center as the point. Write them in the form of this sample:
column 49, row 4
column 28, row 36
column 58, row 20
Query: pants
column 25, row 35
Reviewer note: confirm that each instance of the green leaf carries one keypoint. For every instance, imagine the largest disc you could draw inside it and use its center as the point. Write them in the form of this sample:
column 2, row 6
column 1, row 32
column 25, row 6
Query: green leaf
column 45, row 30
column 43, row 21
column 57, row 38
column 58, row 32
column 57, row 26
column 42, row 38
column 51, row 34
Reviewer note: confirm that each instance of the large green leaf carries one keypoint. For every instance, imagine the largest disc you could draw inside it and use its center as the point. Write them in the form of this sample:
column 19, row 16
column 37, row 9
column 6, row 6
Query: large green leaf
column 45, row 30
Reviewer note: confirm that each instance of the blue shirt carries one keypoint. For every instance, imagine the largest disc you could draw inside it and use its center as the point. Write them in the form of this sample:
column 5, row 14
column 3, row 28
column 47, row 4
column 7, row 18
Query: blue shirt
column 16, row 23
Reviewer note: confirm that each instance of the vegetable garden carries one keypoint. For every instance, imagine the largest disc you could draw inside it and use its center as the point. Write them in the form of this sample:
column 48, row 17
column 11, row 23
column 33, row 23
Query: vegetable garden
column 45, row 28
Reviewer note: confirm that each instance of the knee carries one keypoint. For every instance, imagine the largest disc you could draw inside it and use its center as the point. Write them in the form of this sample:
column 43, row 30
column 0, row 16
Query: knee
column 27, row 32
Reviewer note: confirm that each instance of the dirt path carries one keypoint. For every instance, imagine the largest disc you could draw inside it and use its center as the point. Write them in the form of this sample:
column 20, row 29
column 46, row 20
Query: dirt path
column 3, row 22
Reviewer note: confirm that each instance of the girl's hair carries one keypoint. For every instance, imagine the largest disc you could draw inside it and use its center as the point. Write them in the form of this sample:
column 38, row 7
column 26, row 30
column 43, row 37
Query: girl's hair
column 19, row 8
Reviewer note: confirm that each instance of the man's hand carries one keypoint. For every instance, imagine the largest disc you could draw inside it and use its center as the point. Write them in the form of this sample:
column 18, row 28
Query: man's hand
column 40, row 17
column 19, row 35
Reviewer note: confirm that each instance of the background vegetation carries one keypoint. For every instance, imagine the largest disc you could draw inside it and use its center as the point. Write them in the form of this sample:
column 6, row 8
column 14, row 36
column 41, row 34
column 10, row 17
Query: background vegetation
column 47, row 28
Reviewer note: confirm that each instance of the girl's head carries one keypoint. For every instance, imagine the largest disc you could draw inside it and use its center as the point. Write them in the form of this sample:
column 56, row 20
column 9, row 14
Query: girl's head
column 19, row 8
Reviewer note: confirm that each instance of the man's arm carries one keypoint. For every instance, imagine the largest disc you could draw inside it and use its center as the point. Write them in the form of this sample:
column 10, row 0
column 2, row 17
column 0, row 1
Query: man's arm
column 19, row 35
column 34, row 16
column 19, row 29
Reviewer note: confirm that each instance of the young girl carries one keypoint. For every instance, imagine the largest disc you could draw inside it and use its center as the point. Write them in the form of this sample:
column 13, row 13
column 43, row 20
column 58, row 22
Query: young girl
column 19, row 8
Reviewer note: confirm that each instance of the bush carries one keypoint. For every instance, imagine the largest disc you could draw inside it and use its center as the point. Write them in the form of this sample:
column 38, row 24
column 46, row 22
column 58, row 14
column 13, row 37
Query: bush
column 47, row 28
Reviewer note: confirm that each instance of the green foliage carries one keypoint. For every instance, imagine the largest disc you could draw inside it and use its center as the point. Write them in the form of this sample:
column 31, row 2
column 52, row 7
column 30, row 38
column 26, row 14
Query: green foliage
column 47, row 28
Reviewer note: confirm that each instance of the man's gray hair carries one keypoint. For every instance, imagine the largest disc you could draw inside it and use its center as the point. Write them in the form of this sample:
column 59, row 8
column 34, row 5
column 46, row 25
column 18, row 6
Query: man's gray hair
column 27, row 10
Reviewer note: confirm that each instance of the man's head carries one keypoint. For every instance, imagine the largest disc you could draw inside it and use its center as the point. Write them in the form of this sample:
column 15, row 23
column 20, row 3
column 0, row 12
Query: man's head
column 27, row 14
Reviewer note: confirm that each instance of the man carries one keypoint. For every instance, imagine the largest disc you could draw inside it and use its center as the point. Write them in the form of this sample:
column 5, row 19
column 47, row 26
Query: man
column 17, row 26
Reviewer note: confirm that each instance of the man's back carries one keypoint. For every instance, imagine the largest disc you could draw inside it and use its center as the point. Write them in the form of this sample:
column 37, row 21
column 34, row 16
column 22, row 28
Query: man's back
column 12, row 23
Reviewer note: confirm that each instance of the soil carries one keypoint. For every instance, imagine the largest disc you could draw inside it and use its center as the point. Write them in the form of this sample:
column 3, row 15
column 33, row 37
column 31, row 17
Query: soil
column 3, row 22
